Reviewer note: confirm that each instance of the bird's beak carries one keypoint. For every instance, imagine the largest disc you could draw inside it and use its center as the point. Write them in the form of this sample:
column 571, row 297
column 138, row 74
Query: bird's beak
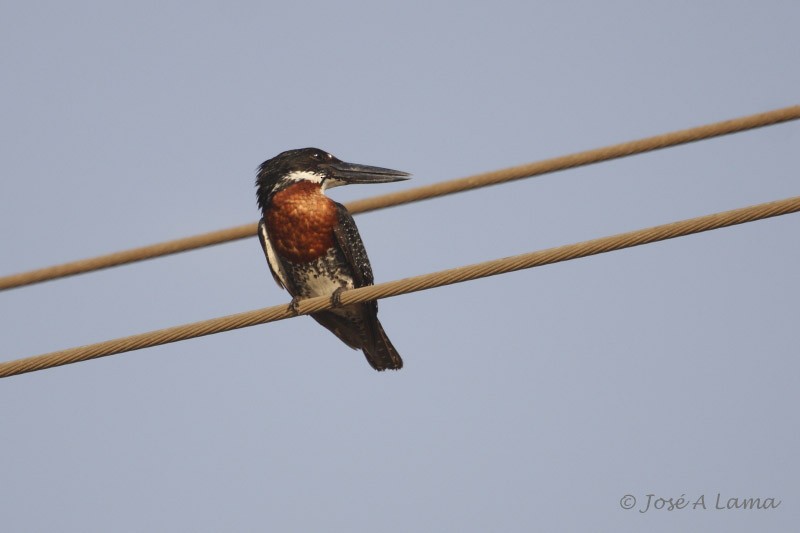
column 353, row 173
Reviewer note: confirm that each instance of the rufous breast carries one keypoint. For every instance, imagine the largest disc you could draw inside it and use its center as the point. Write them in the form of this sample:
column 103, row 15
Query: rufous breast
column 300, row 222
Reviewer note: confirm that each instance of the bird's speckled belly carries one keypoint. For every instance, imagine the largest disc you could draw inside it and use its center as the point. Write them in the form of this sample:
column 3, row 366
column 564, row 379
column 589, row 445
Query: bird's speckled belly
column 320, row 277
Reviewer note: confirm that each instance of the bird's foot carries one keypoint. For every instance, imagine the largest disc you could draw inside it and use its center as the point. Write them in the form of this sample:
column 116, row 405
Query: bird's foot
column 336, row 297
column 294, row 306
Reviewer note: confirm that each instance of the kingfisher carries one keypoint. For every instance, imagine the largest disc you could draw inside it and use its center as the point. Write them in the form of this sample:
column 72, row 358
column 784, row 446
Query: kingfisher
column 313, row 247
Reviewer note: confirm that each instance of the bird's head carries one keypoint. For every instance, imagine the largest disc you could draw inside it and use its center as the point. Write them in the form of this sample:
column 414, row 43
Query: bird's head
column 316, row 166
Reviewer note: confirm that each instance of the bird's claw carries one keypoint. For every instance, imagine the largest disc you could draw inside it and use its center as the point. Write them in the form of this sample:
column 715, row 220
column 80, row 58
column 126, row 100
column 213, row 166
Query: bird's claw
column 336, row 297
column 294, row 306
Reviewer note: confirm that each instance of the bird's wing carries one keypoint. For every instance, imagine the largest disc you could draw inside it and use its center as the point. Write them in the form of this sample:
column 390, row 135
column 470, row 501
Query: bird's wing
column 350, row 243
column 274, row 262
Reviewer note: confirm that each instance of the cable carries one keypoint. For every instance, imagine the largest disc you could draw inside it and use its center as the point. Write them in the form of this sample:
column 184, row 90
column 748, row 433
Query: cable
column 132, row 255
column 419, row 193
column 404, row 286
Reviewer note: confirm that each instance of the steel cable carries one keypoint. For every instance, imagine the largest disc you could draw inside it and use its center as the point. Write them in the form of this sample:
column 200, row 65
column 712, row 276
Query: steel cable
column 416, row 194
column 404, row 286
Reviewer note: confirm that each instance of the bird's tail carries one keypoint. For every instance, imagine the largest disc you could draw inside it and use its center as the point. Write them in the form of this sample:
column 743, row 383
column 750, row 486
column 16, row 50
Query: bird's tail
column 380, row 352
column 358, row 327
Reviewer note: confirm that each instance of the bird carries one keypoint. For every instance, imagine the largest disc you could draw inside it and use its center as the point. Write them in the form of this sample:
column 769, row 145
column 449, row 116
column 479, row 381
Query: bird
column 313, row 247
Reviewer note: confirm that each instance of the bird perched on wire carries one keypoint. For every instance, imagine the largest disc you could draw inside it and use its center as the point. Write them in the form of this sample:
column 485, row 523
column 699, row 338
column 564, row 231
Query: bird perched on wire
column 313, row 247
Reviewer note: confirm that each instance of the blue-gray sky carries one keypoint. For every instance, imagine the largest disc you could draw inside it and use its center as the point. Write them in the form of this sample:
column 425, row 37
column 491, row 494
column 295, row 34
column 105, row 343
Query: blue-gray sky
column 532, row 401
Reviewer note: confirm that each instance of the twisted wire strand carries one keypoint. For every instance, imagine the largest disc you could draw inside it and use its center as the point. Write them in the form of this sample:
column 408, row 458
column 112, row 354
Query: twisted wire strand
column 405, row 286
column 416, row 194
